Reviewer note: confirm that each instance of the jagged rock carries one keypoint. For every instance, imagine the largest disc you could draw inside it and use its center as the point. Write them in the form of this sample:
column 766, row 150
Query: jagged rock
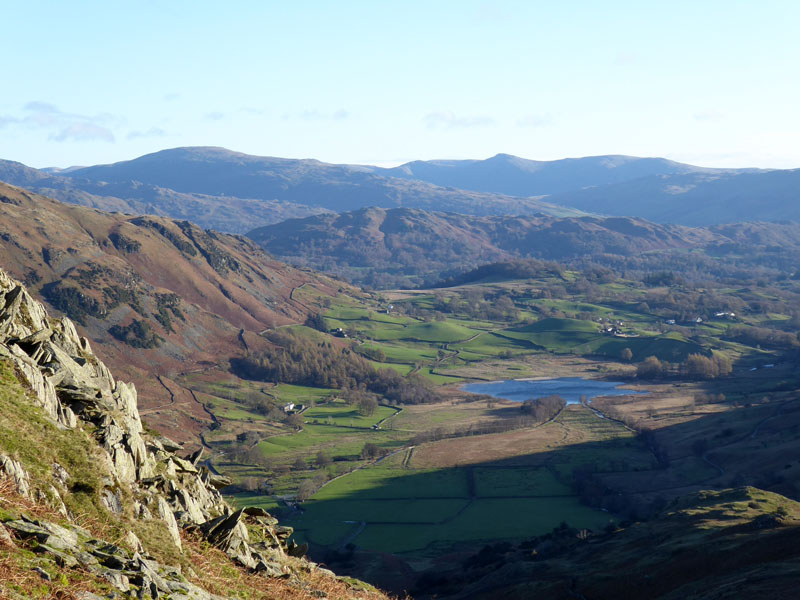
column 217, row 481
column 74, row 387
column 134, row 542
column 5, row 537
column 183, row 465
column 168, row 444
column 56, row 502
column 298, row 551
column 14, row 470
column 61, row 474
column 36, row 337
column 112, row 501
column 117, row 580
column 61, row 558
column 165, row 513
column 194, row 514
column 229, row 533
column 283, row 531
column 195, row 457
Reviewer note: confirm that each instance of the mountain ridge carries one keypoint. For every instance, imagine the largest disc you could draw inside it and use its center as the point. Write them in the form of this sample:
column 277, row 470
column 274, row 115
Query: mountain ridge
column 233, row 191
column 158, row 296
column 423, row 246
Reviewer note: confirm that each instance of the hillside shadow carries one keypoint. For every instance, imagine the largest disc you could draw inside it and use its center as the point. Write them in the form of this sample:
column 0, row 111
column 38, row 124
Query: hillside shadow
column 442, row 517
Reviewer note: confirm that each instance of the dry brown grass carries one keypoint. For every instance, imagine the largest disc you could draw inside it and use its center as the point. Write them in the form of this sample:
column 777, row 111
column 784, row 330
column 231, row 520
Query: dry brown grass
column 217, row 574
column 213, row 570
column 488, row 448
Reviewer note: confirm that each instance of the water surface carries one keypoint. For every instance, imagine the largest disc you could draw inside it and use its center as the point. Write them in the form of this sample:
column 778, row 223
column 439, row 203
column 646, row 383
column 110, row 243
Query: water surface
column 569, row 388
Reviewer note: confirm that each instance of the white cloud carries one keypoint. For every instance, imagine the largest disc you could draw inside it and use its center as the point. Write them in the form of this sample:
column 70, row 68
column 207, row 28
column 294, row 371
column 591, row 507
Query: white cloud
column 447, row 120
column 150, row 133
column 83, row 132
column 6, row 120
column 318, row 115
column 535, row 121
column 64, row 126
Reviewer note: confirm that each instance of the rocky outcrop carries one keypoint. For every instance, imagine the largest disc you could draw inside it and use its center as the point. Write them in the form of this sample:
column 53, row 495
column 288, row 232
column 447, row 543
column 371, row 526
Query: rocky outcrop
column 146, row 476
column 131, row 573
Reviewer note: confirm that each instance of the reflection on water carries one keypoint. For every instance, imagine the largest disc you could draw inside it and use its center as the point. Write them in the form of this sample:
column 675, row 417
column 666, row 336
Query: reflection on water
column 569, row 388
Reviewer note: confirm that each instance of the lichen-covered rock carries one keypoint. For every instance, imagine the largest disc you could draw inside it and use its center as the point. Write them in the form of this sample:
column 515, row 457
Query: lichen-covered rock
column 146, row 478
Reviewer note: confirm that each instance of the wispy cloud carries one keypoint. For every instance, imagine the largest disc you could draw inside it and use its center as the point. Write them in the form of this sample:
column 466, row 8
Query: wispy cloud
column 251, row 110
column 447, row 120
column 64, row 126
column 535, row 121
column 6, row 120
column 214, row 116
column 153, row 132
column 83, row 132
column 318, row 115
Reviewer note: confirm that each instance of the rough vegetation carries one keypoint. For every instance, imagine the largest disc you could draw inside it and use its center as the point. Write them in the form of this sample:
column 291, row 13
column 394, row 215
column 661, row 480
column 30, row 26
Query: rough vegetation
column 91, row 502
column 155, row 296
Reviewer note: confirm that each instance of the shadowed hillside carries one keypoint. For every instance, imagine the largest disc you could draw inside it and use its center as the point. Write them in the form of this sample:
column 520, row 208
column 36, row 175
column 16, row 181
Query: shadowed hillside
column 156, row 295
column 397, row 247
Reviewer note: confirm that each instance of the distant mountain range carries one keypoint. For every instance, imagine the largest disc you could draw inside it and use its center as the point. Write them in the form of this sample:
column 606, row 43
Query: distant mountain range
column 507, row 174
column 229, row 191
column 234, row 192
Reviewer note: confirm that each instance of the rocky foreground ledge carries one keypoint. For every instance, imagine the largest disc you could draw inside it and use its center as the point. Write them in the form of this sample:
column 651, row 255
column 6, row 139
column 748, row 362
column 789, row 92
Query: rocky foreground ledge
column 135, row 478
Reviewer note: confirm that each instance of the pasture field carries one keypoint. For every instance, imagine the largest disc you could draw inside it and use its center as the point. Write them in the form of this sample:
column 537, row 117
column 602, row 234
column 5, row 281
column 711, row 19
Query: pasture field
column 341, row 414
column 405, row 353
column 435, row 333
column 441, row 489
column 414, row 511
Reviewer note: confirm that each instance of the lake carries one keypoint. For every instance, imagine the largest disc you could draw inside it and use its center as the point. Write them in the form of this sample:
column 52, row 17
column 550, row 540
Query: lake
column 569, row 388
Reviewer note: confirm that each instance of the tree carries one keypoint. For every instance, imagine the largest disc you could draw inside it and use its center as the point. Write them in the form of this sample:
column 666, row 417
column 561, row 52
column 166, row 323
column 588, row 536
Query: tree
column 367, row 405
column 296, row 421
column 323, row 459
column 701, row 367
column 650, row 368
column 370, row 451
column 315, row 321
column 626, row 354
column 306, row 490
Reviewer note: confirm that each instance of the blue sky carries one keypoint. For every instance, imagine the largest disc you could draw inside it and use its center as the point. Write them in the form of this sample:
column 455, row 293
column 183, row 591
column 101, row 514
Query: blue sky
column 706, row 82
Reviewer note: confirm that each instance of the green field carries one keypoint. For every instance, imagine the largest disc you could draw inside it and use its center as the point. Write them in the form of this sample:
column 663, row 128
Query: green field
column 405, row 510
column 396, row 506
column 341, row 414
column 435, row 332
